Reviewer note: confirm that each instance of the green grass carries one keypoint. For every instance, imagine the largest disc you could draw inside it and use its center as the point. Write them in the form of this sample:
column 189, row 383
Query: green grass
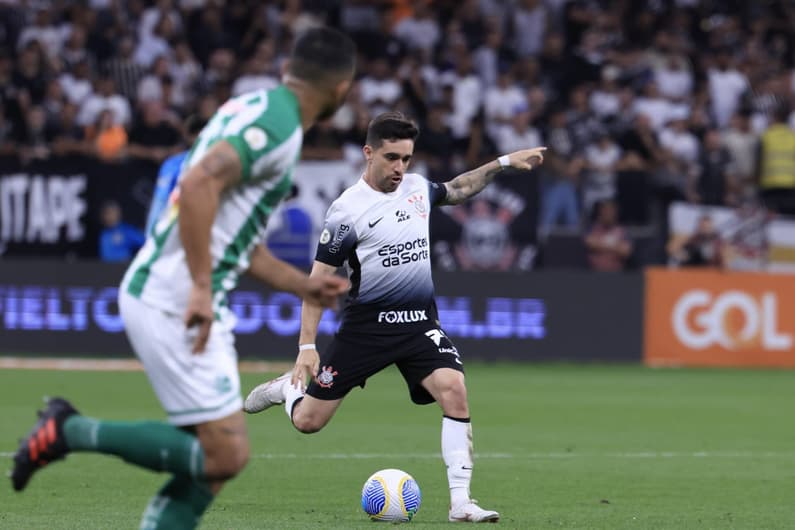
column 604, row 447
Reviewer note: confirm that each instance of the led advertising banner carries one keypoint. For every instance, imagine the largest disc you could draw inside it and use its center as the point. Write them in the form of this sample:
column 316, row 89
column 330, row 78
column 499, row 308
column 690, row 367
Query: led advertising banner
column 70, row 309
column 702, row 317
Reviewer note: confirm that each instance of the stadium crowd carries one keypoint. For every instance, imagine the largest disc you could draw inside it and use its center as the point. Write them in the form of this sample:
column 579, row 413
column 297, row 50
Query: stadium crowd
column 640, row 102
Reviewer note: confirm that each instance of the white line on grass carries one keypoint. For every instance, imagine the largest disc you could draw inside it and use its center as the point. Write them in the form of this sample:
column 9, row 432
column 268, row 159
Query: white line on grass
column 520, row 456
column 118, row 365
column 534, row 456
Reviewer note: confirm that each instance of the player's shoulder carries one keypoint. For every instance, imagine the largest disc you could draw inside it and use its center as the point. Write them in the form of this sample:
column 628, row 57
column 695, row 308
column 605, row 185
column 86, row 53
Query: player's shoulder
column 414, row 178
column 275, row 110
column 416, row 181
column 351, row 201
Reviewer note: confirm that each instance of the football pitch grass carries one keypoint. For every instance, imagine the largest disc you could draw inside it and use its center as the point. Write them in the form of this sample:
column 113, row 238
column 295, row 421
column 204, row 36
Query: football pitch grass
column 557, row 446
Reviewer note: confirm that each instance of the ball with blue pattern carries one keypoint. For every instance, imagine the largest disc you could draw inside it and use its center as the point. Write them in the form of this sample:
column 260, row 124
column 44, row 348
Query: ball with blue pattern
column 391, row 495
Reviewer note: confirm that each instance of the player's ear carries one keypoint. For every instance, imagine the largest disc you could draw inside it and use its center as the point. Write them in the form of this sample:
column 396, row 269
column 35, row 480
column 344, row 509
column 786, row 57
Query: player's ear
column 285, row 68
column 368, row 152
column 342, row 89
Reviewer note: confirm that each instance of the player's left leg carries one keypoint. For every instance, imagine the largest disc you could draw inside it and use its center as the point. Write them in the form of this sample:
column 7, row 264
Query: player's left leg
column 447, row 387
column 433, row 370
column 182, row 501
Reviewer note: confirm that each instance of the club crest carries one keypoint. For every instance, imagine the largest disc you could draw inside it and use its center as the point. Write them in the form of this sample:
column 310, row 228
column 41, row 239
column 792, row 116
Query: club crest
column 419, row 204
column 326, row 377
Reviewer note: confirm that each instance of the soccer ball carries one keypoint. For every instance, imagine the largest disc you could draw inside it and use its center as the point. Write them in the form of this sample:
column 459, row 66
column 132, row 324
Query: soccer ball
column 391, row 495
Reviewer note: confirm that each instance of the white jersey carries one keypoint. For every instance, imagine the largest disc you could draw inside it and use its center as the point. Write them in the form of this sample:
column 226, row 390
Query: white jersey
column 385, row 240
column 264, row 127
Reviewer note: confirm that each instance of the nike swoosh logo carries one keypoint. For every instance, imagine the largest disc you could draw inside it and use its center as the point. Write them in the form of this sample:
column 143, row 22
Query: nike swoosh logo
column 373, row 223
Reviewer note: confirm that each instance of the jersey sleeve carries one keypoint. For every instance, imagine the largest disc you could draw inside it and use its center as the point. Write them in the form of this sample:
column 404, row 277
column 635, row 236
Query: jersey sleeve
column 265, row 130
column 437, row 193
column 338, row 238
column 251, row 144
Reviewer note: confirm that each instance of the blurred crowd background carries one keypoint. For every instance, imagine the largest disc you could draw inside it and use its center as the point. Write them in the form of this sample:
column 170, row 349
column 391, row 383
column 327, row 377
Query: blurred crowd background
column 642, row 103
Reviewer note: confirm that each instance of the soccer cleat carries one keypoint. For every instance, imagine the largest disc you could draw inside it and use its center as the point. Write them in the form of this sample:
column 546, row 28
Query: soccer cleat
column 267, row 394
column 44, row 444
column 470, row 512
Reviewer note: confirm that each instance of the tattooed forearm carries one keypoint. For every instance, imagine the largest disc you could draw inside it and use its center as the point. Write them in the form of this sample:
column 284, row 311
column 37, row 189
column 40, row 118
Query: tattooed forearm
column 470, row 183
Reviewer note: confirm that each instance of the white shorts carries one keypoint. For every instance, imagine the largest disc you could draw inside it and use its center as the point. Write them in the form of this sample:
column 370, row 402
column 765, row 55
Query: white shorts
column 192, row 388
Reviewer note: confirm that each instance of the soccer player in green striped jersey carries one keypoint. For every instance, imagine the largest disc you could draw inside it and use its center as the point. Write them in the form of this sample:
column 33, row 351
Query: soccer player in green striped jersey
column 173, row 299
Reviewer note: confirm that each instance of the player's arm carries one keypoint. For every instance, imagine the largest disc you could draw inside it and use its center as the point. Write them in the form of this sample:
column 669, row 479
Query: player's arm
column 322, row 291
column 308, row 361
column 199, row 195
column 472, row 182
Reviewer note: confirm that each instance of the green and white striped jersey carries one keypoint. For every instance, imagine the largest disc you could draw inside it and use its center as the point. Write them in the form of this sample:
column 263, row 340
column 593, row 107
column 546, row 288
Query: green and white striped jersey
column 264, row 127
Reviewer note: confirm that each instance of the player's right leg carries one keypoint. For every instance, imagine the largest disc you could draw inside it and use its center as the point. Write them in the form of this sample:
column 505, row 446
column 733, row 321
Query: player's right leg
column 347, row 362
column 307, row 414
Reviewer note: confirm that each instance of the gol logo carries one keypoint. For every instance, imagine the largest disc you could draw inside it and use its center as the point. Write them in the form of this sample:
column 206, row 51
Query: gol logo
column 734, row 320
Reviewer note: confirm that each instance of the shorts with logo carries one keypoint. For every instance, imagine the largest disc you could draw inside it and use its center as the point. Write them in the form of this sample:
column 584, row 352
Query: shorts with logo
column 351, row 358
column 192, row 388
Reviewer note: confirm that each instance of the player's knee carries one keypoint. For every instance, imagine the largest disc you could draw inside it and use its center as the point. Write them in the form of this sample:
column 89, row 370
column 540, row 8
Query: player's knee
column 226, row 462
column 454, row 398
column 308, row 423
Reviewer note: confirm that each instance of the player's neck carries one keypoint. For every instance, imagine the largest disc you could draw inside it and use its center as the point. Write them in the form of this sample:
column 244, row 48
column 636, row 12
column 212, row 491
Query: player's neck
column 369, row 181
column 309, row 101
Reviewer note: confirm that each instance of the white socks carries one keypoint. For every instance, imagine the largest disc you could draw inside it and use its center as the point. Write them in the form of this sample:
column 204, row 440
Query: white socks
column 457, row 454
column 291, row 395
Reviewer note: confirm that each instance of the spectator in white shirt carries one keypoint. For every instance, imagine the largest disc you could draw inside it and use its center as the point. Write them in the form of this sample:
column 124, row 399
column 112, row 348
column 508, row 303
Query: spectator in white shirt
column 153, row 15
column 726, row 88
column 77, row 85
column 656, row 108
column 518, row 134
column 604, row 99
column 467, row 95
column 186, row 72
column 419, row 31
column 153, row 45
column 150, row 88
column 487, row 58
column 674, row 80
column 380, row 89
column 601, row 159
column 104, row 97
column 44, row 32
column 741, row 143
column 500, row 103
column 254, row 77
column 682, row 144
column 529, row 23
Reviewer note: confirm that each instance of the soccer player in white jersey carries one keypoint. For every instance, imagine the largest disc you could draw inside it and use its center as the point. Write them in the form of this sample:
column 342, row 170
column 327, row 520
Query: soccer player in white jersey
column 173, row 299
column 379, row 227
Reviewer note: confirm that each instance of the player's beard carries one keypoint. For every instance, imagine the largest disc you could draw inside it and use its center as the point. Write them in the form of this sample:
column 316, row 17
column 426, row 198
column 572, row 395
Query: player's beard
column 389, row 185
column 331, row 108
column 328, row 110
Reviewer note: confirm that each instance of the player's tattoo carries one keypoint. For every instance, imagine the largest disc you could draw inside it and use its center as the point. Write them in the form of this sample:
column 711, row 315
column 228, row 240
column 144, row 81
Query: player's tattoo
column 470, row 183
column 221, row 162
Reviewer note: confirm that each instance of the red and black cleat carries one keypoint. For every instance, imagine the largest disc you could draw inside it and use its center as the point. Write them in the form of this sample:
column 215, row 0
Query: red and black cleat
column 44, row 444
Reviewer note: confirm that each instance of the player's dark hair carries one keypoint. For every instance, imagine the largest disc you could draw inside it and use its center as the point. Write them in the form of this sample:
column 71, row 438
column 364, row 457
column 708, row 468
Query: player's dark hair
column 322, row 54
column 390, row 126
